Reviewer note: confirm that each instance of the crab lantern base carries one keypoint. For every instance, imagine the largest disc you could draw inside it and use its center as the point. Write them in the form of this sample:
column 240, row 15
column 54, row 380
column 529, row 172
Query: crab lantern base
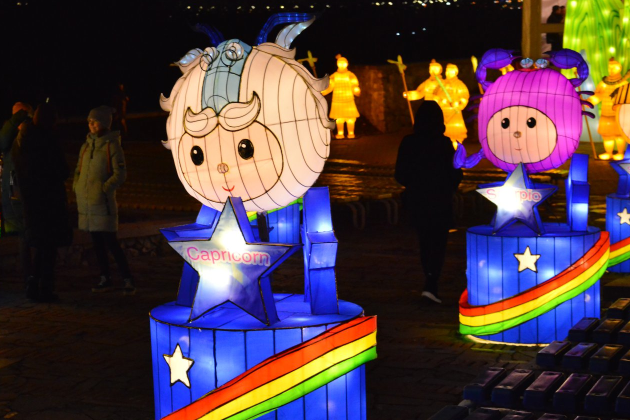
column 519, row 287
column 226, row 342
column 618, row 225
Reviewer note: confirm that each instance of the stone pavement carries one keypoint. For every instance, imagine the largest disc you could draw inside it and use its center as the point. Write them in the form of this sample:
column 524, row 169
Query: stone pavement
column 88, row 356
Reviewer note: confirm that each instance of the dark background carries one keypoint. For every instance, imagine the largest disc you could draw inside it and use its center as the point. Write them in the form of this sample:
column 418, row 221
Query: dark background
column 76, row 52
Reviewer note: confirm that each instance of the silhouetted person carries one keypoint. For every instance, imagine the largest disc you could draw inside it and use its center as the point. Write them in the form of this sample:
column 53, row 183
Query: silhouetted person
column 425, row 168
column 555, row 39
column 41, row 172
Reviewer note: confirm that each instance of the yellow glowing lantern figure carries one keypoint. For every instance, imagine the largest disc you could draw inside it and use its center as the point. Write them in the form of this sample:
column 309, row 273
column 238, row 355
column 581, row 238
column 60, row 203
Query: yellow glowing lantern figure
column 621, row 107
column 609, row 129
column 345, row 86
column 453, row 97
column 430, row 87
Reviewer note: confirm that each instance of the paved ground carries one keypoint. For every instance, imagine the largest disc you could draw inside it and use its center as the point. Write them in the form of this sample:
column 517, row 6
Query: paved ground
column 88, row 356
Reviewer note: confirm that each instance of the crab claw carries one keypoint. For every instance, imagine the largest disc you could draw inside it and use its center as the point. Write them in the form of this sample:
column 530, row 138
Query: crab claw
column 495, row 58
column 568, row 59
column 460, row 160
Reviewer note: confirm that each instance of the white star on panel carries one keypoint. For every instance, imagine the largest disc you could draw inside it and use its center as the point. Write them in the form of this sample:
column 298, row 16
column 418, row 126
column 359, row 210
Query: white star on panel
column 624, row 216
column 527, row 260
column 179, row 365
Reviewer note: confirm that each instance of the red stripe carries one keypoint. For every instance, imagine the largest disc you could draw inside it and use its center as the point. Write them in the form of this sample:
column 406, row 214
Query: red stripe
column 276, row 366
column 618, row 245
column 581, row 265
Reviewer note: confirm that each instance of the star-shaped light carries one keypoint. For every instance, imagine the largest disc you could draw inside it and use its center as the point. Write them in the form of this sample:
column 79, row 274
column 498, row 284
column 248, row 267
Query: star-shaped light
column 624, row 217
column 232, row 267
column 516, row 200
column 622, row 167
column 527, row 260
column 179, row 366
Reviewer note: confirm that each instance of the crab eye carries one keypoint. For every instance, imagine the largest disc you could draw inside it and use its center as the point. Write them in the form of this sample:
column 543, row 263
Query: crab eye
column 505, row 122
column 209, row 55
column 531, row 122
column 246, row 149
column 196, row 154
column 234, row 51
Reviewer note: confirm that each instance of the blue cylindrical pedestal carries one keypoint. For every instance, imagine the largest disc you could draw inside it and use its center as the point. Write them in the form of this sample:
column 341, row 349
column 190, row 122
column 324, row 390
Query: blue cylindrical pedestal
column 616, row 227
column 493, row 275
column 227, row 341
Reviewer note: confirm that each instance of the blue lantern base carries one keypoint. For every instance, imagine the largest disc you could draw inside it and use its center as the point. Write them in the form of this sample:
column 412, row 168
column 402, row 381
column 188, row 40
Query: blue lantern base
column 618, row 231
column 493, row 275
column 227, row 341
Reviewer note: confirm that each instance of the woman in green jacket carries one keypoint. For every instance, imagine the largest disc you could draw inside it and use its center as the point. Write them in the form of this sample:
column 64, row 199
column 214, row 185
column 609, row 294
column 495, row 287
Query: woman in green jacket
column 100, row 171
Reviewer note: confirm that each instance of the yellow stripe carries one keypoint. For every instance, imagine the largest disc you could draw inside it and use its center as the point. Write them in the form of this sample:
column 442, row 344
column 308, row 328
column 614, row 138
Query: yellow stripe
column 493, row 318
column 273, row 388
column 620, row 251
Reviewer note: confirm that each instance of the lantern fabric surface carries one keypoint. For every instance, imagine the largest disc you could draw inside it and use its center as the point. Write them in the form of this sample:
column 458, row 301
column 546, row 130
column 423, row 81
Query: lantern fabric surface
column 345, row 86
column 621, row 109
column 453, row 98
column 247, row 122
column 428, row 89
column 618, row 224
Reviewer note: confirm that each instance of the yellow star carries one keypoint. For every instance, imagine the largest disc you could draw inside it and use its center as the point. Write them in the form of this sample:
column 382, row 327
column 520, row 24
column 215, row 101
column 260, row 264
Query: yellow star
column 624, row 216
column 527, row 260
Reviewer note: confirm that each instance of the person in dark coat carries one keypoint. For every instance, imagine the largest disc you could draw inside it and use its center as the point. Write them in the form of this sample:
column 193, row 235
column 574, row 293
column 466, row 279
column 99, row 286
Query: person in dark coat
column 555, row 39
column 425, row 168
column 41, row 173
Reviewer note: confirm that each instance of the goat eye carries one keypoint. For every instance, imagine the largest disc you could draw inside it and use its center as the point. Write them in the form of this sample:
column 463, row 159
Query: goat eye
column 196, row 154
column 531, row 122
column 246, row 149
column 234, row 51
column 505, row 122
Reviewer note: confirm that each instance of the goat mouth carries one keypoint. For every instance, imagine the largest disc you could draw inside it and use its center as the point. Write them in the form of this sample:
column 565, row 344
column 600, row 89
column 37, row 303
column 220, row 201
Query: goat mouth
column 229, row 190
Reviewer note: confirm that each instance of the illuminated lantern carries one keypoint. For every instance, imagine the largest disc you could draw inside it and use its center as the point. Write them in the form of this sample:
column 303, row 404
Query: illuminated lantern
column 248, row 122
column 248, row 131
column 609, row 128
column 345, row 86
column 529, row 282
column 617, row 210
column 453, row 98
column 428, row 89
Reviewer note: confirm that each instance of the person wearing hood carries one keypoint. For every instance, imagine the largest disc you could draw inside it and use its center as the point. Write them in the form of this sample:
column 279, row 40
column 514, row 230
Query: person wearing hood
column 100, row 171
column 425, row 168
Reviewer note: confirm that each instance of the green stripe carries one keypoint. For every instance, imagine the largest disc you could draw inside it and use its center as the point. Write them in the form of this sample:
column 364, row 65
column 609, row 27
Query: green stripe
column 307, row 386
column 510, row 323
column 619, row 259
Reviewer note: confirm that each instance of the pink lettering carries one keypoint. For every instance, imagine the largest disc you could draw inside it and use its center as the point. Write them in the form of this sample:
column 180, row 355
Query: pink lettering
column 190, row 256
column 247, row 258
column 236, row 257
column 216, row 256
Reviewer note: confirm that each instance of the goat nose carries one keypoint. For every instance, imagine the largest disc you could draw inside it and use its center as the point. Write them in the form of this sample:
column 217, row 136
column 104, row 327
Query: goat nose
column 223, row 168
column 517, row 134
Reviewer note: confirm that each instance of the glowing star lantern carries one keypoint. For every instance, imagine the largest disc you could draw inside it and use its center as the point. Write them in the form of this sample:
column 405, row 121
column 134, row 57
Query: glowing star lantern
column 233, row 268
column 517, row 200
column 428, row 89
column 248, row 121
column 453, row 97
column 609, row 128
column 345, row 86
column 531, row 115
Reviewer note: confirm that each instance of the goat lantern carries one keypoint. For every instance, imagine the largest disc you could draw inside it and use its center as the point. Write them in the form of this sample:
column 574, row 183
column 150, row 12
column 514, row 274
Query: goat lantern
column 248, row 130
column 529, row 281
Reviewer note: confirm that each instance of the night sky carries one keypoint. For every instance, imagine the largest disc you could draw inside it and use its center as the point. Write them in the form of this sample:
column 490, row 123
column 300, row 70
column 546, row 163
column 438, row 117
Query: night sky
column 76, row 52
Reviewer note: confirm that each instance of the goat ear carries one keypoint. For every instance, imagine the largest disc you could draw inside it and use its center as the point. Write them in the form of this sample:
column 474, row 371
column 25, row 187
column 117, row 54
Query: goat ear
column 215, row 36
column 297, row 23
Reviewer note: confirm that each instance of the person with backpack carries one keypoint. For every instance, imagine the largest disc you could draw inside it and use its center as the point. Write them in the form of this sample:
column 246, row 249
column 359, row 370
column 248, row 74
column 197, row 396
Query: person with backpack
column 100, row 171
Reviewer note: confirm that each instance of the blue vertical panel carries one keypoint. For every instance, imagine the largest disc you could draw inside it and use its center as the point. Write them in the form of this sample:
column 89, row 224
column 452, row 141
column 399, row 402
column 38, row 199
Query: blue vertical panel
column 481, row 296
column 510, row 281
column 286, row 225
column 545, row 266
column 269, row 416
column 527, row 280
column 562, row 260
column 495, row 269
column 202, row 374
column 230, row 355
column 181, row 393
column 337, row 399
column 285, row 339
column 323, row 291
column 156, row 367
column 259, row 346
column 363, row 394
column 163, row 346
column 471, row 266
column 187, row 286
column 353, row 384
column 291, row 411
column 577, row 251
column 618, row 231
column 315, row 401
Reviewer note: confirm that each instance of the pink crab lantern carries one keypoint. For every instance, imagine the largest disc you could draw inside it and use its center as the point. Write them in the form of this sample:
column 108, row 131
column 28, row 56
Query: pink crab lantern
column 531, row 115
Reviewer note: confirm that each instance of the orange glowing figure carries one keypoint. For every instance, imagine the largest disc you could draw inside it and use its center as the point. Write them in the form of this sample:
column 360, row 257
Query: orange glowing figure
column 452, row 96
column 430, row 87
column 345, row 86
column 609, row 128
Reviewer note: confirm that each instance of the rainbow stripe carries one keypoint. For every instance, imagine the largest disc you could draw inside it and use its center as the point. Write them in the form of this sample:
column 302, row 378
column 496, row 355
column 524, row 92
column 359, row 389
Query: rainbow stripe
column 619, row 252
column 288, row 375
column 508, row 313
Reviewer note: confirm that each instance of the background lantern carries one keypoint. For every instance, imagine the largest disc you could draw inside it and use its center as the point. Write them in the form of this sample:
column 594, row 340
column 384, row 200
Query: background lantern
column 345, row 86
column 453, row 97
column 428, row 89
